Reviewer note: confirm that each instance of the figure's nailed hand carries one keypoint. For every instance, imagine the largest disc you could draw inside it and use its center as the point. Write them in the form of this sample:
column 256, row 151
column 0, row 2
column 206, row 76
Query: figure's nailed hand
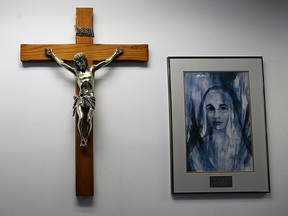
column 48, row 51
column 119, row 51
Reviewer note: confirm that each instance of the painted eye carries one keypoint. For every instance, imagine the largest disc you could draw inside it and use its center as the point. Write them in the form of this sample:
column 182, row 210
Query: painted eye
column 223, row 108
column 210, row 108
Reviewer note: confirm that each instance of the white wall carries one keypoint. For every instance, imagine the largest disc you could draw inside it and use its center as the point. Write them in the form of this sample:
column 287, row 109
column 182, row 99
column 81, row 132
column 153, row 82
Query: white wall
column 132, row 164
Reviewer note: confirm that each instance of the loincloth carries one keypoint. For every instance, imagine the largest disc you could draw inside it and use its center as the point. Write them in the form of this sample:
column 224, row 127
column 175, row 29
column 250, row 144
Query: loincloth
column 83, row 101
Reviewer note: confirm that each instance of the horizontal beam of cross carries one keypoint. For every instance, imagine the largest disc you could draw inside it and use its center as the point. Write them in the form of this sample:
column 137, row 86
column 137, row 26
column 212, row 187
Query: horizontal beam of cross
column 95, row 52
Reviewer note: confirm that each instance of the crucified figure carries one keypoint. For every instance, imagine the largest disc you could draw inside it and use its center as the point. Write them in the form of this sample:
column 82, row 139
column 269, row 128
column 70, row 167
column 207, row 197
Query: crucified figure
column 84, row 103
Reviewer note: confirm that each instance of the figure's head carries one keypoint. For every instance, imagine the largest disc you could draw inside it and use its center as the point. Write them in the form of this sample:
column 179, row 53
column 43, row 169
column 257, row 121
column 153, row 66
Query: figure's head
column 80, row 61
column 216, row 112
column 218, row 105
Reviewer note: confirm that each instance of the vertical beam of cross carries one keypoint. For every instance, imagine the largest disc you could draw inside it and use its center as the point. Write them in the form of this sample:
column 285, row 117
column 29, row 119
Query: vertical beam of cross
column 84, row 156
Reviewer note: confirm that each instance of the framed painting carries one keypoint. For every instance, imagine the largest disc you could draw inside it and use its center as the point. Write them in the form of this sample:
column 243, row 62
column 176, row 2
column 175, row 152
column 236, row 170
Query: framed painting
column 218, row 133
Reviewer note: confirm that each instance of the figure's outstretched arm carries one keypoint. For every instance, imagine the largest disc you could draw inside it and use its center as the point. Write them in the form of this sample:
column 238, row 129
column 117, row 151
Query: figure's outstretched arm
column 50, row 53
column 119, row 51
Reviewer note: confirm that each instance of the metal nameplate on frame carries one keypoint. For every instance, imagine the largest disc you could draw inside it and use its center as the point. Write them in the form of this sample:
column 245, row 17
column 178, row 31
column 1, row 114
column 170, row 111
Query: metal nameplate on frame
column 221, row 181
column 84, row 31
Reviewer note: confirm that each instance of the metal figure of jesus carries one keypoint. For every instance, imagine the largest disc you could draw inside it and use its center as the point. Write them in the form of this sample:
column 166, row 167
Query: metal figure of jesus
column 84, row 102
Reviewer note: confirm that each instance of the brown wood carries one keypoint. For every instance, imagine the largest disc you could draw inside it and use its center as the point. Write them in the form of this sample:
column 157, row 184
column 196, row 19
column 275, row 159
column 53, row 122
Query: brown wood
column 84, row 18
column 84, row 165
column 94, row 52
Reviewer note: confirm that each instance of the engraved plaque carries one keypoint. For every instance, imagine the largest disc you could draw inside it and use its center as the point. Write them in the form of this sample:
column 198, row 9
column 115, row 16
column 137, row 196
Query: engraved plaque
column 84, row 31
column 221, row 181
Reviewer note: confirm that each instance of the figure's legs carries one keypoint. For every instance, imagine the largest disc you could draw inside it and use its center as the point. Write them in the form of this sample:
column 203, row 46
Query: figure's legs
column 89, row 122
column 80, row 125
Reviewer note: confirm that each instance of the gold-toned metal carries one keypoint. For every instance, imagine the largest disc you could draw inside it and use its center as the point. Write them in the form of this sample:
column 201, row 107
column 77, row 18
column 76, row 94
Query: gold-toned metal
column 84, row 31
column 84, row 103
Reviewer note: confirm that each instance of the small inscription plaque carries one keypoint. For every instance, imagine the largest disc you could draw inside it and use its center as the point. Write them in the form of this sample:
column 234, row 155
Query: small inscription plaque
column 220, row 181
column 84, row 31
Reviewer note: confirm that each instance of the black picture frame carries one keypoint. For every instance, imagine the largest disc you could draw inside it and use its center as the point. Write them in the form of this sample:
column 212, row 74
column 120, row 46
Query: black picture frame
column 218, row 133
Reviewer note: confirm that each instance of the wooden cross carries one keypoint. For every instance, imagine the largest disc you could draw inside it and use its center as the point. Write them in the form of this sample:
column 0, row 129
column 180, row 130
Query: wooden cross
column 94, row 52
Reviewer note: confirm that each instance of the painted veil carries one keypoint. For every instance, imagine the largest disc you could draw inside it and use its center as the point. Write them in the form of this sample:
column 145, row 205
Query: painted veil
column 230, row 150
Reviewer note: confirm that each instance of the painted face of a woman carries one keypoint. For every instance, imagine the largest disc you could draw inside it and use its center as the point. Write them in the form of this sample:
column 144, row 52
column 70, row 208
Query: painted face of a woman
column 218, row 105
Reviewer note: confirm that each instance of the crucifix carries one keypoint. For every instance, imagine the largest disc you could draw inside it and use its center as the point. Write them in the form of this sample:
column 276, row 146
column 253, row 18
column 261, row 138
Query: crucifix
column 93, row 52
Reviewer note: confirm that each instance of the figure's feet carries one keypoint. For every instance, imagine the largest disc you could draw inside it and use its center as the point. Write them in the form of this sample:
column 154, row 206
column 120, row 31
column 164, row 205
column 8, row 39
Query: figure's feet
column 84, row 143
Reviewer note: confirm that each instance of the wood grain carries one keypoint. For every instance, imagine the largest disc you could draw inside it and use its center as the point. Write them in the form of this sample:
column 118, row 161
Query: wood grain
column 84, row 18
column 95, row 52
column 84, row 156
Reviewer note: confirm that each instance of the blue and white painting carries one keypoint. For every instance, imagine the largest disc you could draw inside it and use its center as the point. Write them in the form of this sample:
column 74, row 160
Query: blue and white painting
column 218, row 123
